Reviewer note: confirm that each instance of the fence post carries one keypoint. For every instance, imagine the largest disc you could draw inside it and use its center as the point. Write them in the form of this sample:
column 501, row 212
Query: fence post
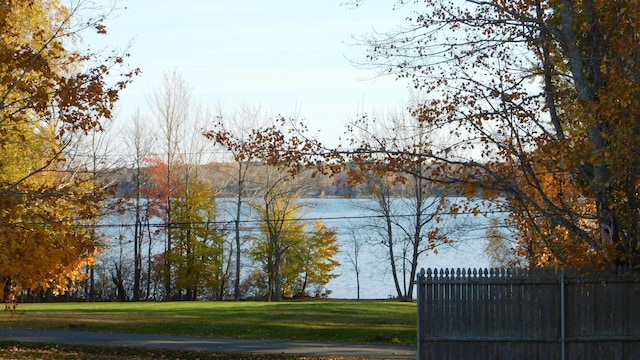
column 420, row 281
column 563, row 320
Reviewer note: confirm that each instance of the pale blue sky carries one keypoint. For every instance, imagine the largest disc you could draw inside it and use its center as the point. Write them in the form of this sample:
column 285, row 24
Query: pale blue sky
column 290, row 57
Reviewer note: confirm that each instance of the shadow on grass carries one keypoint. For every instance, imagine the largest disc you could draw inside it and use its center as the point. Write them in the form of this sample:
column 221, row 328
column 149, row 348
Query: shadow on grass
column 32, row 351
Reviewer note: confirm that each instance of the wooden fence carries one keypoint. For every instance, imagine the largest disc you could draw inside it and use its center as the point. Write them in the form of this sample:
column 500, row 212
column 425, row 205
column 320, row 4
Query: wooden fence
column 527, row 314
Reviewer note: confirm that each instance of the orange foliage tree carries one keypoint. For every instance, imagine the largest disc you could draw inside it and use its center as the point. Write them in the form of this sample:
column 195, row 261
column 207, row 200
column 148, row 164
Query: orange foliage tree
column 164, row 183
column 540, row 101
column 50, row 95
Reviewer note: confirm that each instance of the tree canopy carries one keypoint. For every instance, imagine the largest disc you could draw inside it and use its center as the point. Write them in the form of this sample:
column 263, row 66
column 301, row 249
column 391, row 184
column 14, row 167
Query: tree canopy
column 541, row 99
column 50, row 95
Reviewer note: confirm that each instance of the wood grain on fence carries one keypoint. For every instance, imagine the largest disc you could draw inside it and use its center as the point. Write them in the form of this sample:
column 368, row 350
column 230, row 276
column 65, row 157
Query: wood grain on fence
column 520, row 314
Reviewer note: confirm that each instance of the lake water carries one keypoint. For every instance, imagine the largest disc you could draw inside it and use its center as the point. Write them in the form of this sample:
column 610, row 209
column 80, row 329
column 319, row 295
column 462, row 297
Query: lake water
column 352, row 219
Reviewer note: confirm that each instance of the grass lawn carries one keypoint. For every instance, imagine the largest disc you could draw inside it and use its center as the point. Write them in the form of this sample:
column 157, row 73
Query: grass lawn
column 325, row 320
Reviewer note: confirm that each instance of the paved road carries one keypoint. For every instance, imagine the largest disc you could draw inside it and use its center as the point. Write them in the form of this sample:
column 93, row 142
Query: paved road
column 373, row 351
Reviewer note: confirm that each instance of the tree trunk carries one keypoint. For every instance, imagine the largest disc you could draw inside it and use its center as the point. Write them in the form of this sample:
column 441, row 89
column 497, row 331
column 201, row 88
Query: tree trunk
column 277, row 276
column 118, row 281
column 149, row 261
column 236, row 287
column 585, row 65
column 137, row 249
column 168, row 249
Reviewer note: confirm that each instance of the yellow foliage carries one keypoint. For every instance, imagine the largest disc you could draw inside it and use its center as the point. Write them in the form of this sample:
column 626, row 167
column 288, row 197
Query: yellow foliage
column 289, row 250
column 48, row 97
column 45, row 219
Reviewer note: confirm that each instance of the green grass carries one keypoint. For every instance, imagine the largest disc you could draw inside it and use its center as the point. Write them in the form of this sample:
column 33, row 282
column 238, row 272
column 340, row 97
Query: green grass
column 326, row 320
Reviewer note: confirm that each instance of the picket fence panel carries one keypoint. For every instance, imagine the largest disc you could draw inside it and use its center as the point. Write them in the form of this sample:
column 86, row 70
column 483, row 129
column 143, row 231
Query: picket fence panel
column 528, row 314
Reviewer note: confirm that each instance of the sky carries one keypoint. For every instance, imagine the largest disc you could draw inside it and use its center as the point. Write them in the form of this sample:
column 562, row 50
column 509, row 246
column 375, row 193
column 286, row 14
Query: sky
column 288, row 57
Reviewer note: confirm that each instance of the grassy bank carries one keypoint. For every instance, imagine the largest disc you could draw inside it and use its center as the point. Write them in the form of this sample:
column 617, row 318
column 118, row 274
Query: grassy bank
column 333, row 321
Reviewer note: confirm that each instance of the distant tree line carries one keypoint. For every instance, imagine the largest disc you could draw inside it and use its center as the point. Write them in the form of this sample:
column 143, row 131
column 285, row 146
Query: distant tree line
column 321, row 186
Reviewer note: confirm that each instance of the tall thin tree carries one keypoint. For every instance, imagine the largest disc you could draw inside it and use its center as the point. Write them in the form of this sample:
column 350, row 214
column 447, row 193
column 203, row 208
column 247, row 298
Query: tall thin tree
column 170, row 105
